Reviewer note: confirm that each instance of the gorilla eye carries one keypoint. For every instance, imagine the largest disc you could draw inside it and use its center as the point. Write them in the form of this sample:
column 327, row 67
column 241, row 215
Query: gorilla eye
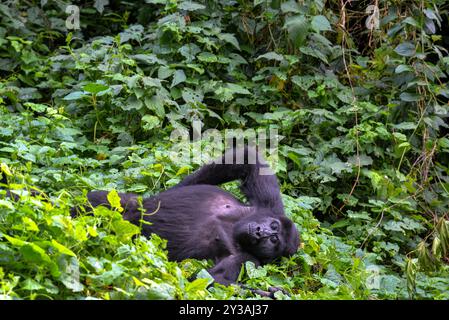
column 274, row 239
column 274, row 226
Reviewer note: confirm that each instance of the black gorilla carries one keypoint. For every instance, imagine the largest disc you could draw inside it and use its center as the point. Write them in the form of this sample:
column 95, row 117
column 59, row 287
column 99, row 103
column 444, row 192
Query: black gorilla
column 202, row 221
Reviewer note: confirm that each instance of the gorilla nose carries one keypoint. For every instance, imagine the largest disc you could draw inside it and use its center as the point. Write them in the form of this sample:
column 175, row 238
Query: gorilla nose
column 262, row 232
column 258, row 232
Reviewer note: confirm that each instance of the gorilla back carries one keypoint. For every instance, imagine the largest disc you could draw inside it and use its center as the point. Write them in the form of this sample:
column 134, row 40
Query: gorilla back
column 200, row 220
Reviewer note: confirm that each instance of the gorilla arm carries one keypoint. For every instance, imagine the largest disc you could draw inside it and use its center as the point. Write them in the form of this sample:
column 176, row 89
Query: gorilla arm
column 259, row 183
column 227, row 270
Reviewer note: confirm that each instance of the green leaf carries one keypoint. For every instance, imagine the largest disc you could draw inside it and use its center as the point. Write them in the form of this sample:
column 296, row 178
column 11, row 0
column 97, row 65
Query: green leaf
column 164, row 72
column 61, row 248
column 411, row 21
column 125, row 229
column 320, row 23
column 114, row 200
column 148, row 59
column 178, row 78
column 207, row 57
column 444, row 143
column 314, row 53
column 403, row 68
column 290, row 6
column 6, row 204
column 29, row 94
column 30, row 225
column 195, row 67
column 15, row 241
column 405, row 126
column 5, row 169
column 298, row 28
column 191, row 96
column 36, row 106
column 336, row 165
column 150, row 122
column 254, row 272
column 34, row 253
column 151, row 82
column 406, row 49
column 191, row 6
column 70, row 273
column 138, row 187
column 341, row 223
column 95, row 88
column 204, row 274
column 31, row 285
column 236, row 88
column 74, row 95
column 271, row 56
column 393, row 226
column 363, row 160
column 196, row 285
column 409, row 96
column 132, row 103
column 229, row 38
column 156, row 104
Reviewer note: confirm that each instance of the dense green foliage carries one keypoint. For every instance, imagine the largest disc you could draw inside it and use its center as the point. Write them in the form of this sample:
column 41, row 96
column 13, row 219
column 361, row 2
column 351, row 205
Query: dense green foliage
column 363, row 160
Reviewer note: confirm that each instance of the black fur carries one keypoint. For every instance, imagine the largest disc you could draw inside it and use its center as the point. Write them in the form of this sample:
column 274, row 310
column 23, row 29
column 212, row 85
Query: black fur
column 202, row 221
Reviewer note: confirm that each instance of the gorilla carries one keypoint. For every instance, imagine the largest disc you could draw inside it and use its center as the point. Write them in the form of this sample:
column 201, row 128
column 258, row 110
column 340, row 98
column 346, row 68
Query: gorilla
column 200, row 220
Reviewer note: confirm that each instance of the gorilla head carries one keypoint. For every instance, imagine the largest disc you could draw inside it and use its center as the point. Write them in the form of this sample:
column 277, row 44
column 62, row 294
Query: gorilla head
column 267, row 236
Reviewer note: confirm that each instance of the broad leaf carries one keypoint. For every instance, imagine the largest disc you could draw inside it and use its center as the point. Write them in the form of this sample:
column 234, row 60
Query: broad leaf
column 179, row 77
column 406, row 49
column 320, row 23
column 74, row 95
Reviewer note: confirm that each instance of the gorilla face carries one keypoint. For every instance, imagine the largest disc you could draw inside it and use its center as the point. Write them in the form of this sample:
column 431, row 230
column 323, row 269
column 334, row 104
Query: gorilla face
column 266, row 236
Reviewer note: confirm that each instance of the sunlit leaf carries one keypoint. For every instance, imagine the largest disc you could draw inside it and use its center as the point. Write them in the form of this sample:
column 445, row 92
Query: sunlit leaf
column 114, row 200
column 94, row 88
